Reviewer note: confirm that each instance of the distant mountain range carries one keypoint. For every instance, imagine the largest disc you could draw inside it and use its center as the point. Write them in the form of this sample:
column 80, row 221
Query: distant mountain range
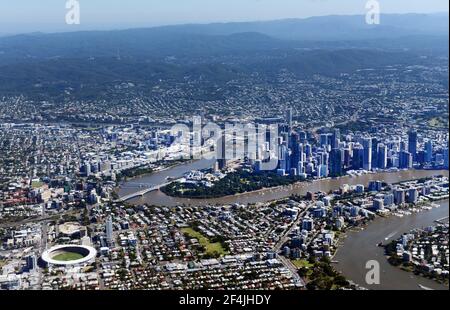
column 395, row 31
column 335, row 27
column 326, row 45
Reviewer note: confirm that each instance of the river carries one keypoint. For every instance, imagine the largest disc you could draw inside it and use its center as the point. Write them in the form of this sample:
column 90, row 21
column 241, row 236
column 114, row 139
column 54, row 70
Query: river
column 158, row 198
column 360, row 247
column 357, row 248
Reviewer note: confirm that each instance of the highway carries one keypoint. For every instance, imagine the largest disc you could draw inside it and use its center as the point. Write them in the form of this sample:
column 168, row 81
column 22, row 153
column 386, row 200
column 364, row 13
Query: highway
column 39, row 219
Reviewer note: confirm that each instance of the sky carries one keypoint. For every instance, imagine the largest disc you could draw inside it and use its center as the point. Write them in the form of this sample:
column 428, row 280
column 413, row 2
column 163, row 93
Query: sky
column 20, row 16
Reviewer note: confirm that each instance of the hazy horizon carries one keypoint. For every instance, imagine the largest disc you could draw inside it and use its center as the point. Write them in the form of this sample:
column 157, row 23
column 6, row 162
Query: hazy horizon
column 21, row 17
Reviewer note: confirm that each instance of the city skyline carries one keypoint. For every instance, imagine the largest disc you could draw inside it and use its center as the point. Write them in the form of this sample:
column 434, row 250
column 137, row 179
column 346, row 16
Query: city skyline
column 287, row 155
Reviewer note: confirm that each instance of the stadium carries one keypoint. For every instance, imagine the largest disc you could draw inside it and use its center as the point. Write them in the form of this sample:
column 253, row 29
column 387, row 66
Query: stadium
column 69, row 254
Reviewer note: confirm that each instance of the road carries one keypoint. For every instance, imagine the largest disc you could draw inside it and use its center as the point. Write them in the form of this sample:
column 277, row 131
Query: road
column 43, row 246
column 352, row 118
column 285, row 236
column 277, row 248
column 39, row 219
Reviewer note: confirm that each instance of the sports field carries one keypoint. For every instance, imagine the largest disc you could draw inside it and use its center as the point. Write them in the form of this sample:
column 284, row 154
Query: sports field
column 68, row 256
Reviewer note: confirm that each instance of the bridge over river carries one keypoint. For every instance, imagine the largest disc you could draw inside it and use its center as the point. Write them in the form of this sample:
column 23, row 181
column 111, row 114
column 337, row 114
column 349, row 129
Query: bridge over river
column 148, row 189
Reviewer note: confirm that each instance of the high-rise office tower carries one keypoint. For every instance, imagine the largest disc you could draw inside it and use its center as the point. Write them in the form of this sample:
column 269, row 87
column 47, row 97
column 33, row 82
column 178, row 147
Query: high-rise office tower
column 295, row 148
column 375, row 152
column 324, row 139
column 428, row 151
column 358, row 157
column 283, row 157
column 302, row 155
column 325, row 158
column 421, row 157
column 405, row 160
column 301, row 167
column 335, row 139
column 294, row 139
column 308, row 150
column 322, row 171
column 382, row 156
column 31, row 262
column 302, row 136
column 109, row 231
column 412, row 143
column 221, row 152
column 402, row 146
column 347, row 157
column 289, row 118
column 336, row 160
column 367, row 160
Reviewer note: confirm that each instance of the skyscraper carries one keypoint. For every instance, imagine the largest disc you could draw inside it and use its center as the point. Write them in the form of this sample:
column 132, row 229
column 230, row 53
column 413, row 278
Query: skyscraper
column 221, row 152
column 289, row 118
column 109, row 231
column 308, row 150
column 402, row 146
column 324, row 139
column 283, row 157
column 347, row 158
column 405, row 160
column 367, row 160
column 412, row 144
column 358, row 157
column 31, row 262
column 336, row 160
column 399, row 196
column 413, row 195
column 428, row 151
column 302, row 136
column 295, row 146
column 335, row 139
column 382, row 156
column 375, row 144
column 301, row 167
column 322, row 171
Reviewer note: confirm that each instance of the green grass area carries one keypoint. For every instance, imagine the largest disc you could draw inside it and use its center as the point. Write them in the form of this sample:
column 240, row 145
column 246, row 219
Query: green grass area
column 302, row 263
column 68, row 256
column 211, row 248
column 36, row 184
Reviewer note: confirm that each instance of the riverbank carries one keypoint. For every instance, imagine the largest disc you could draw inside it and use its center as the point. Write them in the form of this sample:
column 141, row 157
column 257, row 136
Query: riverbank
column 358, row 255
column 352, row 263
column 268, row 194
column 422, row 252
column 121, row 183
